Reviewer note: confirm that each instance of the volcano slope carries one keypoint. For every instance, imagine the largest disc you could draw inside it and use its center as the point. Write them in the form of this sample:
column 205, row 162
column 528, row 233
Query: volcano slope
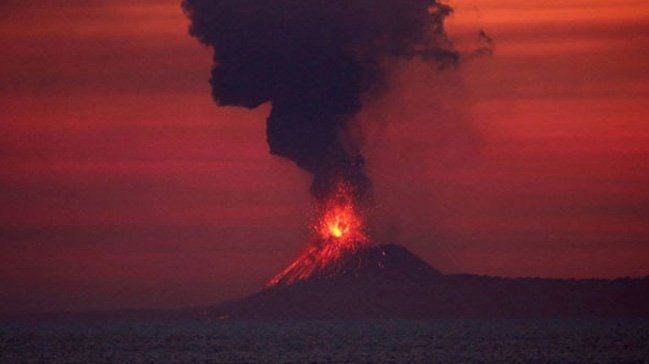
column 389, row 282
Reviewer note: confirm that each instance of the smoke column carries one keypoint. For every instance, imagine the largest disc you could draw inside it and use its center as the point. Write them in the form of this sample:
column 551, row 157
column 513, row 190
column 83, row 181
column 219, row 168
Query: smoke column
column 315, row 60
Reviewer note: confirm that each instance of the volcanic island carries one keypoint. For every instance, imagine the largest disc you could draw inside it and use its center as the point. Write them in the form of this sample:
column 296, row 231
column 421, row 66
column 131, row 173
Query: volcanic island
column 344, row 275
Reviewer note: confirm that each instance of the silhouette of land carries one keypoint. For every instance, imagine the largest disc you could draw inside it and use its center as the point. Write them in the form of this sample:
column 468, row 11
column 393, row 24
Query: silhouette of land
column 390, row 282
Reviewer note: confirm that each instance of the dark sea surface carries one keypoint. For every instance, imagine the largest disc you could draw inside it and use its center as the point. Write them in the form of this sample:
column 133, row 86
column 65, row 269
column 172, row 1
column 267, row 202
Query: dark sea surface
column 452, row 341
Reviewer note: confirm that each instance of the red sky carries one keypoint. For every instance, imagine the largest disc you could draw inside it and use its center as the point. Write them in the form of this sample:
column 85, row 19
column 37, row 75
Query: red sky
column 122, row 185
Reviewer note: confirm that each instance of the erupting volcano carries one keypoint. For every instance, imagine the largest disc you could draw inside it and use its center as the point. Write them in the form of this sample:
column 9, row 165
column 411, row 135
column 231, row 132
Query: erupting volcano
column 317, row 62
column 338, row 231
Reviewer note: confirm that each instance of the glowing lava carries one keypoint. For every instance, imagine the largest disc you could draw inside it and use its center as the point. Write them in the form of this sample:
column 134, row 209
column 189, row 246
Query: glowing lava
column 340, row 218
column 339, row 230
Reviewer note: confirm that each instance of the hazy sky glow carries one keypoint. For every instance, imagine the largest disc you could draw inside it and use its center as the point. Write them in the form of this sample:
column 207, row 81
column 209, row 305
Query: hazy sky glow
column 122, row 185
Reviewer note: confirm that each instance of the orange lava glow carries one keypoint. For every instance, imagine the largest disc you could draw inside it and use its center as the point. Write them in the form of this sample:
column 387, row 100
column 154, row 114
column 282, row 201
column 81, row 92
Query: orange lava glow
column 339, row 231
column 340, row 218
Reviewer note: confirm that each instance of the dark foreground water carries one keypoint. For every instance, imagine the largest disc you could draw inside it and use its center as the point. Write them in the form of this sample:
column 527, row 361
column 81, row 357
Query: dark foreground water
column 584, row 341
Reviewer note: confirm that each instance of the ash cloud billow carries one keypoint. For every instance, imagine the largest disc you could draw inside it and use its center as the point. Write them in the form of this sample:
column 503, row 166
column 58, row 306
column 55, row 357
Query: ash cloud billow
column 315, row 61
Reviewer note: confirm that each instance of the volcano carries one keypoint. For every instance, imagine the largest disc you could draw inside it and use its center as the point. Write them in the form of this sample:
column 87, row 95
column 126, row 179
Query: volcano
column 389, row 282
column 369, row 265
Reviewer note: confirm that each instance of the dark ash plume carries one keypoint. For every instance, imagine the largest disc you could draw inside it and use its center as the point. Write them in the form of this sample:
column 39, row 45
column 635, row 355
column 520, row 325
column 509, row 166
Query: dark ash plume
column 314, row 60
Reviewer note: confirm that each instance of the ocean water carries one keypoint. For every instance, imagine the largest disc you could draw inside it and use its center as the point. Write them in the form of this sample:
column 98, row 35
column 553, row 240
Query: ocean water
column 444, row 341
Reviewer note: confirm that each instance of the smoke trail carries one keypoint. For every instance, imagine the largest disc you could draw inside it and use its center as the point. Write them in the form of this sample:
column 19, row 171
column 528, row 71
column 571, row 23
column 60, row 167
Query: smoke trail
column 314, row 60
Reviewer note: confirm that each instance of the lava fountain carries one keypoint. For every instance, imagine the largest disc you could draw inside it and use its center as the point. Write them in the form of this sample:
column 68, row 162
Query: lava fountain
column 340, row 220
column 339, row 230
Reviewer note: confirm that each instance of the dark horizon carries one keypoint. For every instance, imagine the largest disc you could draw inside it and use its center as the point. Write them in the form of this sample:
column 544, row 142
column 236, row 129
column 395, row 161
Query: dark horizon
column 204, row 310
